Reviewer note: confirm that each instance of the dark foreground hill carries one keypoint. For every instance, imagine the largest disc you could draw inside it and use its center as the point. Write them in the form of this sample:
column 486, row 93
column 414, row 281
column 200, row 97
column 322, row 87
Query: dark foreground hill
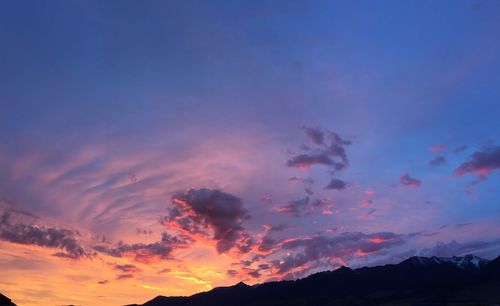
column 5, row 301
column 429, row 281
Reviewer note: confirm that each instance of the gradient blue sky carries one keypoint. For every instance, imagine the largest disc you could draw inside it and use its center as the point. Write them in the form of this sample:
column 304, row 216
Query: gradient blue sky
column 123, row 120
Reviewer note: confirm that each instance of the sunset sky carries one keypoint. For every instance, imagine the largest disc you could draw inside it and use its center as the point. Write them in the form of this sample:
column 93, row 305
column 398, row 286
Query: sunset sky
column 168, row 147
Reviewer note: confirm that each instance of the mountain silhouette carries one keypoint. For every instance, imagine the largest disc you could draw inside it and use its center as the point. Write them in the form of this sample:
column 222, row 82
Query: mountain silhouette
column 422, row 281
column 5, row 301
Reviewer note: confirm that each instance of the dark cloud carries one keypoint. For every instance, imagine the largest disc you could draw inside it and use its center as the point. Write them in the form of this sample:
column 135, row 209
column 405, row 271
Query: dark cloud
column 212, row 212
column 336, row 184
column 124, row 276
column 307, row 160
column 255, row 273
column 318, row 248
column 296, row 207
column 439, row 160
column 267, row 244
column 317, row 136
column 232, row 272
column 144, row 252
column 329, row 151
column 42, row 236
column 481, row 162
column 407, row 180
column 127, row 268
column 103, row 282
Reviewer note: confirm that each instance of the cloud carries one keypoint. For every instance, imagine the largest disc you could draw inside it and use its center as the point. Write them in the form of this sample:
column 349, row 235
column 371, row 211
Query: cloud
column 165, row 270
column 42, row 236
column 231, row 272
column 437, row 148
column 481, row 162
column 267, row 243
column 211, row 212
column 329, row 151
column 317, row 136
column 328, row 250
column 366, row 203
column 306, row 181
column 460, row 148
column 124, row 276
column 127, row 268
column 276, row 228
column 305, row 206
column 439, row 160
column 407, row 180
column 369, row 192
column 141, row 231
column 297, row 207
column 336, row 184
column 305, row 161
column 255, row 273
column 146, row 252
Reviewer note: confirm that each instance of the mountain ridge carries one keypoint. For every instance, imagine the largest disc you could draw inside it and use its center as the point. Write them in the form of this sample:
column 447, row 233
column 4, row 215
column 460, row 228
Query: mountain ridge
column 465, row 280
column 5, row 301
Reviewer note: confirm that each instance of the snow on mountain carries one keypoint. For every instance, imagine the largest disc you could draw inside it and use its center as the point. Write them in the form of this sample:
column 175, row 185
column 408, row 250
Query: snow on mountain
column 463, row 262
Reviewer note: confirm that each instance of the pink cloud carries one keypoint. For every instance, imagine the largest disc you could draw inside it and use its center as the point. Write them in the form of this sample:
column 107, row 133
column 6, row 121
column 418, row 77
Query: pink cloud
column 437, row 148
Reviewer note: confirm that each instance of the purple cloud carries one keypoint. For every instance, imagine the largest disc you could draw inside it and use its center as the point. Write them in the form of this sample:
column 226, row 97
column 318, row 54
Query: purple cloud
column 329, row 151
column 145, row 252
column 317, row 136
column 318, row 248
column 297, row 207
column 481, row 162
column 336, row 184
column 407, row 180
column 42, row 236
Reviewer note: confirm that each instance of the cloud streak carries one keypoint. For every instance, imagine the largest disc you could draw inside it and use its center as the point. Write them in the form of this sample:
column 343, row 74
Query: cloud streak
column 48, row 237
column 146, row 252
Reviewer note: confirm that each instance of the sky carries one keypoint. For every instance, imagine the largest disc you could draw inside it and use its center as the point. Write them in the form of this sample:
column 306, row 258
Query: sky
column 168, row 147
